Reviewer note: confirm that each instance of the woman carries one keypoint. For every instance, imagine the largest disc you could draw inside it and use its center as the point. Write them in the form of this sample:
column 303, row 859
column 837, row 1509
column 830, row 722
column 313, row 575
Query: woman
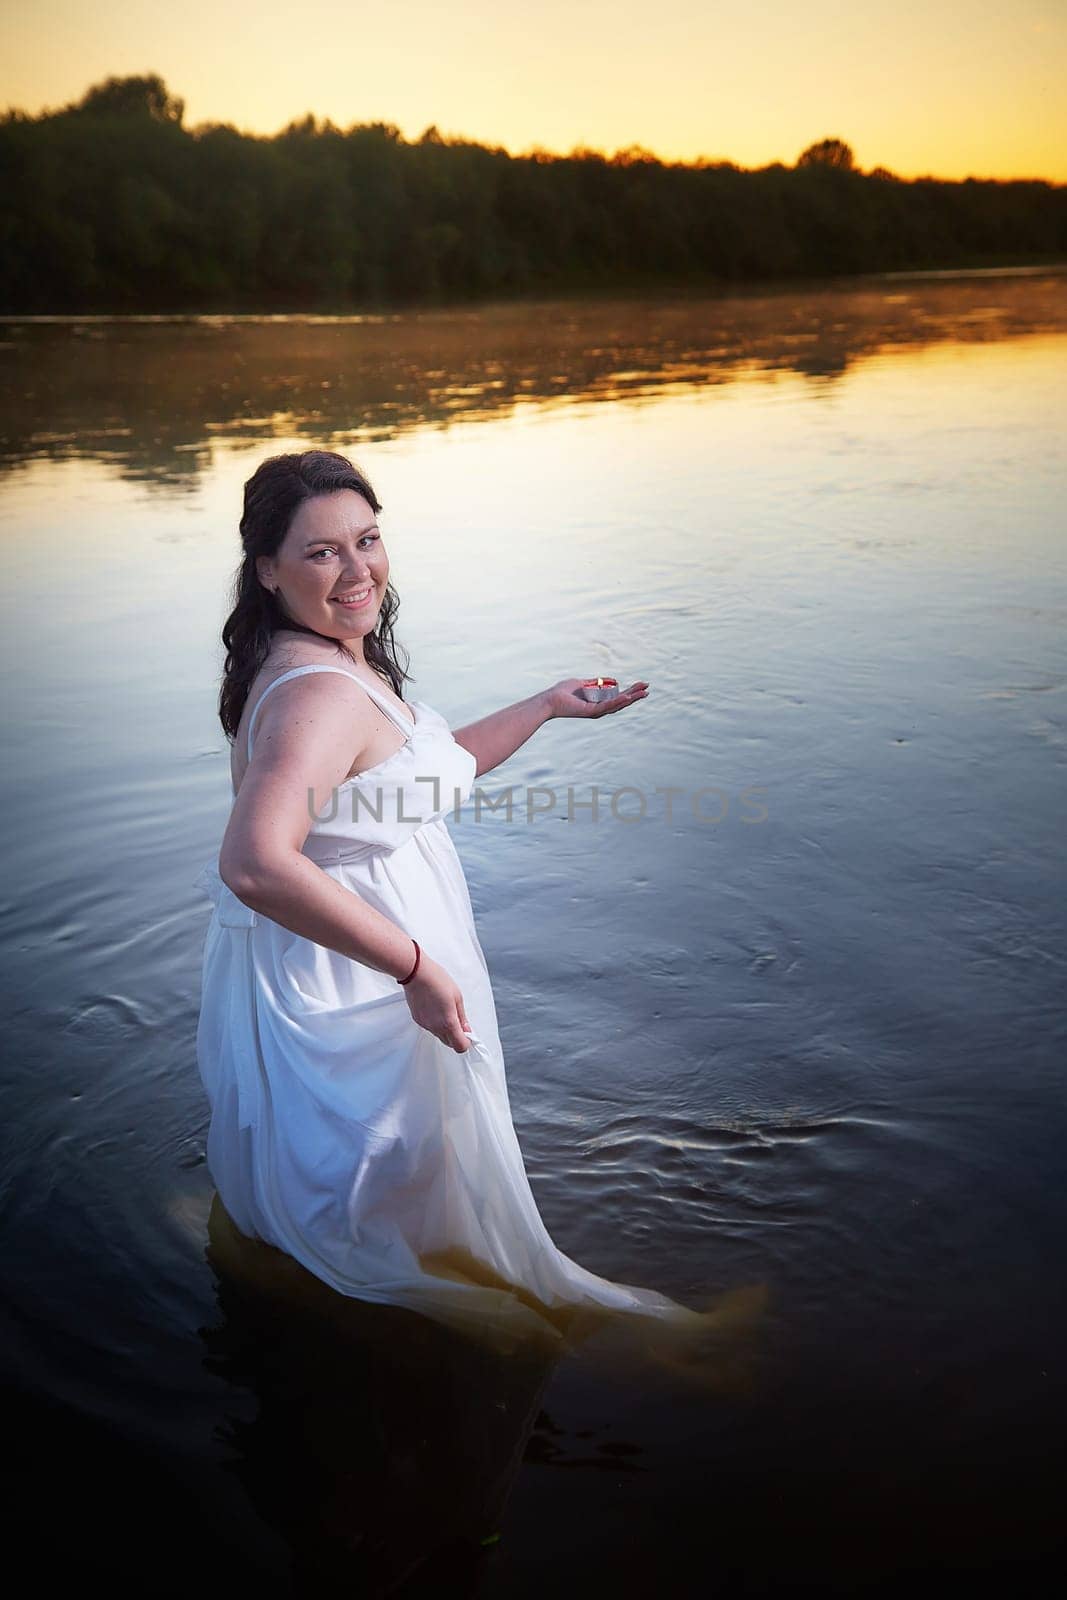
column 347, row 1039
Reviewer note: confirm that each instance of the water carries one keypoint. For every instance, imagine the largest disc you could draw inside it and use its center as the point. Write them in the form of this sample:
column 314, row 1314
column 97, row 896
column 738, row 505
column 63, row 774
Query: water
column 798, row 1043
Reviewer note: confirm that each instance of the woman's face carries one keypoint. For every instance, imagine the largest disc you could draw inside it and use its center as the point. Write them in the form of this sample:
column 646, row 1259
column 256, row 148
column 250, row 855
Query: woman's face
column 331, row 568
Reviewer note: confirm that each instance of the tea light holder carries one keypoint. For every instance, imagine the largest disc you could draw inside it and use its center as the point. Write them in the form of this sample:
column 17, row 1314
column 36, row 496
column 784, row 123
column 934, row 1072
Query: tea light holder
column 597, row 689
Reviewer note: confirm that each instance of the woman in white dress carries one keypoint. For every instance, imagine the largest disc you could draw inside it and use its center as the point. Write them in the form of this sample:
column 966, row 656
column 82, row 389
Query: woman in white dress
column 347, row 1039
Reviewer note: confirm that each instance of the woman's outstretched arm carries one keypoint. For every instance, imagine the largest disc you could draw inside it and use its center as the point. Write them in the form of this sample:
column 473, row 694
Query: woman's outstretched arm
column 497, row 736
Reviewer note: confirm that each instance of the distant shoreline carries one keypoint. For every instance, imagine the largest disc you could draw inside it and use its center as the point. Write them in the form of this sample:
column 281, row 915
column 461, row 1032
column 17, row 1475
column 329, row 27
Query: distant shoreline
column 754, row 289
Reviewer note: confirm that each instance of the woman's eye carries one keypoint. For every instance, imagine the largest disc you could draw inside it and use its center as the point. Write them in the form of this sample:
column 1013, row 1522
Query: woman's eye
column 368, row 538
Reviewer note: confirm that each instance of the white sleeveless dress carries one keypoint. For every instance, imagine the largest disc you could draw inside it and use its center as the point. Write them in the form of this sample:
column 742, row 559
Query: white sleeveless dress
column 341, row 1131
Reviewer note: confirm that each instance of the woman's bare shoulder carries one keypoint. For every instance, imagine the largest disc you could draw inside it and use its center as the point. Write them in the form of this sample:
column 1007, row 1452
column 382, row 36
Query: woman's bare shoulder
column 289, row 650
column 310, row 687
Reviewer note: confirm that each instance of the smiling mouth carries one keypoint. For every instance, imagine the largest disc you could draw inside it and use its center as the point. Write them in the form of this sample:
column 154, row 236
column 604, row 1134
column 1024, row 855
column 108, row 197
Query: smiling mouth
column 353, row 601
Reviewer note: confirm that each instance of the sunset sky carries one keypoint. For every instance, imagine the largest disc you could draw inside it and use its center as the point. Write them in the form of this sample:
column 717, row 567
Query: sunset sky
column 951, row 88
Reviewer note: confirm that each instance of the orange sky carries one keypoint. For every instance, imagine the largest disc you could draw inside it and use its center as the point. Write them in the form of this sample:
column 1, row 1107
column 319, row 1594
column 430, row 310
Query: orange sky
column 944, row 87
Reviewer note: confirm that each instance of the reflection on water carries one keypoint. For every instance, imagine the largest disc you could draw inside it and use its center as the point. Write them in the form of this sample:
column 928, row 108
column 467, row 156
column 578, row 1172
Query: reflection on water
column 802, row 1071
column 154, row 395
column 409, row 1435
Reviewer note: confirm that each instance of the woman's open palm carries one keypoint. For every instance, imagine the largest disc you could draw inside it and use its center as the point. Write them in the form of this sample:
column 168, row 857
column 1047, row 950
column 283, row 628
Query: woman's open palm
column 565, row 701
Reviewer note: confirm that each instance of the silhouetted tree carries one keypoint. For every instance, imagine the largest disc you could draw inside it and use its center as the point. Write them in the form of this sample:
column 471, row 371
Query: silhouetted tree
column 126, row 97
column 828, row 153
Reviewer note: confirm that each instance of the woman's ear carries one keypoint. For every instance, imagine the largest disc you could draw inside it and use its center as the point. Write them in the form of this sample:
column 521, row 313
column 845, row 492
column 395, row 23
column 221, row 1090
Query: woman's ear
column 264, row 572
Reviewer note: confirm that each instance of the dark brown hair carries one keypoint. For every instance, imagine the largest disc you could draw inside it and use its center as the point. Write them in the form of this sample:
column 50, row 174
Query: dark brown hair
column 273, row 495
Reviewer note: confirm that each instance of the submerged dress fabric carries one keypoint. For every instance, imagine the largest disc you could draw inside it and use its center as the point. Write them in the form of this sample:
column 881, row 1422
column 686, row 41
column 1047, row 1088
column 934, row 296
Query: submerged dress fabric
column 341, row 1131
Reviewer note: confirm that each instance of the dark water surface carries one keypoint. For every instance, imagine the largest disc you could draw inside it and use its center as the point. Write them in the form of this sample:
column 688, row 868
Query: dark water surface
column 799, row 1043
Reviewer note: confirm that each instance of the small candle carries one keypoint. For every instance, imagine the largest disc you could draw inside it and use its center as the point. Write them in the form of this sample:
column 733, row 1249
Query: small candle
column 597, row 689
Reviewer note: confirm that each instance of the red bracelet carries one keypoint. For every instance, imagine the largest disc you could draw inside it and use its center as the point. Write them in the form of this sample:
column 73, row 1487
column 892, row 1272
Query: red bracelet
column 415, row 968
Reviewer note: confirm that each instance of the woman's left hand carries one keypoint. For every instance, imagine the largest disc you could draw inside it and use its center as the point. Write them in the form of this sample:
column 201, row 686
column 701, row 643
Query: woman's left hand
column 565, row 701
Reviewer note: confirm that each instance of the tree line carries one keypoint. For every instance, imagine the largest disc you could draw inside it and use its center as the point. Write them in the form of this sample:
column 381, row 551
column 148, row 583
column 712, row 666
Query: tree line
column 113, row 205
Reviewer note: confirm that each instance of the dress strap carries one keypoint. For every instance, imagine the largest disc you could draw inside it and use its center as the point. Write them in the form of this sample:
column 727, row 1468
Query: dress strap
column 296, row 672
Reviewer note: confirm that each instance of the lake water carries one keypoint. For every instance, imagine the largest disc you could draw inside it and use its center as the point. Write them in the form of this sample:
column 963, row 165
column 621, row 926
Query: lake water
column 797, row 1042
